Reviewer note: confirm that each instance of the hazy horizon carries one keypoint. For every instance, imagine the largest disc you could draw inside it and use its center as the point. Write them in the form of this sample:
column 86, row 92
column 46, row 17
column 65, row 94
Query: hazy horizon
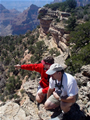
column 21, row 5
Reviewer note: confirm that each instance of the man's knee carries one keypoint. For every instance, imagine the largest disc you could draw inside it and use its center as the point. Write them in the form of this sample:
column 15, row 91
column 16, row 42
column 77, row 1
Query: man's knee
column 65, row 106
column 50, row 105
column 47, row 104
column 39, row 99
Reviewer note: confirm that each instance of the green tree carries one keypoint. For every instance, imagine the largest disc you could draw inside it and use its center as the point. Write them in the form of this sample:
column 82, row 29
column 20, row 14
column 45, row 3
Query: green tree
column 80, row 52
column 71, row 23
column 81, row 36
column 71, row 4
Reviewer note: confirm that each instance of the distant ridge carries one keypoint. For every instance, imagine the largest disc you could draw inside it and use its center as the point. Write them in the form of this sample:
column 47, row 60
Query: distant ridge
column 12, row 22
column 79, row 2
column 3, row 9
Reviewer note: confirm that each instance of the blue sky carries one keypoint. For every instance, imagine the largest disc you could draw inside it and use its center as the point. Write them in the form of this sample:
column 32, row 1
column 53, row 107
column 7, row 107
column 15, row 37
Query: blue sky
column 23, row 4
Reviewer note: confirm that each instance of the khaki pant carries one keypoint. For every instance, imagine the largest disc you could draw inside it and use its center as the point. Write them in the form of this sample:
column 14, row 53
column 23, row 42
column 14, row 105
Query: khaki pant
column 57, row 102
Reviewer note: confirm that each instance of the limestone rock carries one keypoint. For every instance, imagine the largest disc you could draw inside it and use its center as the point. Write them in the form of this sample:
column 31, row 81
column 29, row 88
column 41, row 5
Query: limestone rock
column 48, row 24
column 42, row 10
column 86, row 70
column 12, row 111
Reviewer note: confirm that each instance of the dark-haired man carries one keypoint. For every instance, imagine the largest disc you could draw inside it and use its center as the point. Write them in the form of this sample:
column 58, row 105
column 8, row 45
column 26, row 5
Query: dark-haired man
column 66, row 89
column 41, row 68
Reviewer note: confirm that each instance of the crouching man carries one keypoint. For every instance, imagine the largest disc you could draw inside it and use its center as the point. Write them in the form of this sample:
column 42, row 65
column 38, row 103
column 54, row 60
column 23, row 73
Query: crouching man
column 66, row 89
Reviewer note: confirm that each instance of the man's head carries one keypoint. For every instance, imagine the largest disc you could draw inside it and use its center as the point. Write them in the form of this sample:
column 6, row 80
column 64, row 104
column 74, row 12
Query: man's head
column 47, row 61
column 55, row 71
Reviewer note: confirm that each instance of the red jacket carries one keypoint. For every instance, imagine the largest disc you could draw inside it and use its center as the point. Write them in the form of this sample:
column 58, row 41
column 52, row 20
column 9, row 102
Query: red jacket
column 44, row 77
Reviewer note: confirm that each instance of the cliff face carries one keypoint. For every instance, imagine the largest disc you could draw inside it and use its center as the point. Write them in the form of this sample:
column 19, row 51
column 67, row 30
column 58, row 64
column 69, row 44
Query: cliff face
column 26, row 21
column 13, row 22
column 49, row 25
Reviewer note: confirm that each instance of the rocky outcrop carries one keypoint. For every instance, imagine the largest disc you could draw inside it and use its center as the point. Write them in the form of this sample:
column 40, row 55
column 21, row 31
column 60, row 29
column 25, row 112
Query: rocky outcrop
column 44, row 25
column 48, row 24
column 12, row 111
column 61, row 59
column 45, row 21
column 27, row 108
column 83, row 80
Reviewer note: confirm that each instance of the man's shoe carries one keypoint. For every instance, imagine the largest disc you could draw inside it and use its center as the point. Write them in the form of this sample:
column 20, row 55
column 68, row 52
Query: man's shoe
column 56, row 113
column 57, row 109
column 61, row 116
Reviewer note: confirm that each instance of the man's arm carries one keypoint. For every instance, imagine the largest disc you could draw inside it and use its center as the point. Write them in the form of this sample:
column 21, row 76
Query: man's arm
column 70, row 99
column 32, row 67
column 50, row 91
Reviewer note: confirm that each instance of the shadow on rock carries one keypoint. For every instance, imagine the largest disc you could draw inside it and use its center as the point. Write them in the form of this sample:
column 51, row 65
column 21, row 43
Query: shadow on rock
column 74, row 114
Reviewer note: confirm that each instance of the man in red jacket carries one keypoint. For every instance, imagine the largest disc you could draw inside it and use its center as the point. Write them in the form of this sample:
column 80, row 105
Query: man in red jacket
column 41, row 68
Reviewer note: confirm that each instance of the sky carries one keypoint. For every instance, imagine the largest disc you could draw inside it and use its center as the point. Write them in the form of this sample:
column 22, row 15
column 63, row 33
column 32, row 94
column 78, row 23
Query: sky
column 21, row 5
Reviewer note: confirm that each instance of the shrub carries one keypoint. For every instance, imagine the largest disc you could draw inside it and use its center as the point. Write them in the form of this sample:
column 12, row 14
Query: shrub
column 31, row 49
column 57, row 20
column 16, row 96
column 33, row 76
column 22, row 91
column 54, row 51
column 49, row 34
column 86, row 18
column 1, row 97
column 11, row 96
column 31, row 40
column 7, row 60
column 40, row 15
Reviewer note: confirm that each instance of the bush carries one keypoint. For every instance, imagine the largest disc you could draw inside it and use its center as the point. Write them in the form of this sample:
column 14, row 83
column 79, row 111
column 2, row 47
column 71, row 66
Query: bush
column 33, row 76
column 31, row 40
column 49, row 34
column 31, row 49
column 25, row 72
column 86, row 18
column 22, row 91
column 7, row 60
column 57, row 20
column 16, row 96
column 54, row 51
column 40, row 15
column 1, row 97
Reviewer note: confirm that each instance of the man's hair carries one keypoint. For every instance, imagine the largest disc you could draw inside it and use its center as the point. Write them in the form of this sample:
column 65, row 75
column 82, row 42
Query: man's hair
column 62, row 71
column 49, row 59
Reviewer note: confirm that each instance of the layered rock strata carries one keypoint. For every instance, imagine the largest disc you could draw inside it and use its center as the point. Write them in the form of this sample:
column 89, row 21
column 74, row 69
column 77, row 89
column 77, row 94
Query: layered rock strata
column 48, row 24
